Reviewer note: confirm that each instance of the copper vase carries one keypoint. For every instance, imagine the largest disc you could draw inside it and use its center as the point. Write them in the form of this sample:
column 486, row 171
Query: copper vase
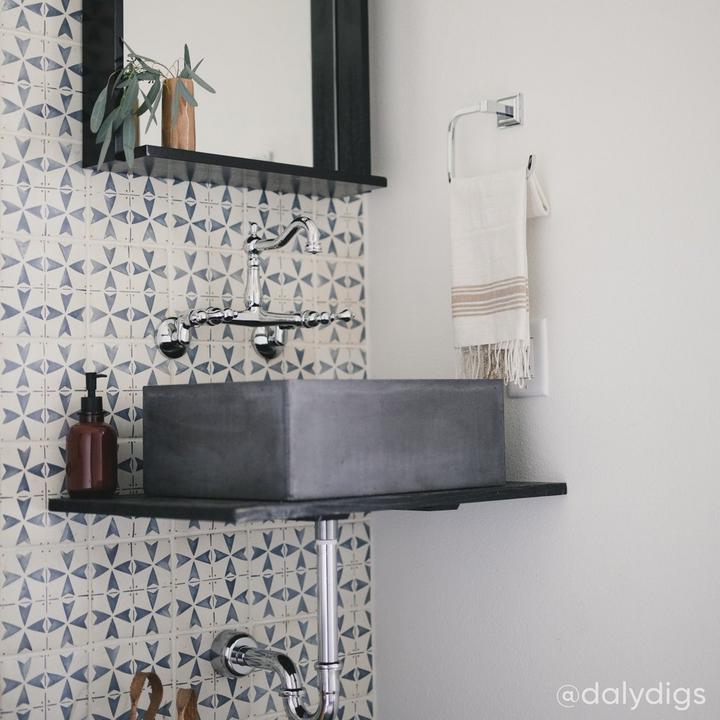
column 179, row 134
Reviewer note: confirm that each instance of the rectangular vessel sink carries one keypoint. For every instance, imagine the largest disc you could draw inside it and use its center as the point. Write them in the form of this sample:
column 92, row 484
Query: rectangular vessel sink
column 308, row 439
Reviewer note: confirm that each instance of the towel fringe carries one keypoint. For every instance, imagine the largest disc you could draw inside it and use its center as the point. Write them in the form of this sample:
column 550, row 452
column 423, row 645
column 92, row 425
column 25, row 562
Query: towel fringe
column 507, row 360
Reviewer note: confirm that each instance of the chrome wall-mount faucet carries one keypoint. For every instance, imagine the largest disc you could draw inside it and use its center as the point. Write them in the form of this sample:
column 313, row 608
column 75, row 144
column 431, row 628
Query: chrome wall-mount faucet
column 174, row 333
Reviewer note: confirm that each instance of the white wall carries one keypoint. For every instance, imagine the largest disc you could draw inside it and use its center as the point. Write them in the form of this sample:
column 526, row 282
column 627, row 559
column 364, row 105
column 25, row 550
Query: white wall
column 485, row 612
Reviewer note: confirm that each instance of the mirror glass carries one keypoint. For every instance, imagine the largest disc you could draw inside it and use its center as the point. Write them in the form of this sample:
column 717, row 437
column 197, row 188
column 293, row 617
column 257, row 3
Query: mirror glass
column 257, row 56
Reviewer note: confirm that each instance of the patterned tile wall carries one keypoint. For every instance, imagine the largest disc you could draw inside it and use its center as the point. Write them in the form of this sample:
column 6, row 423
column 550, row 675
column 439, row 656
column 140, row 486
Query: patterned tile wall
column 90, row 261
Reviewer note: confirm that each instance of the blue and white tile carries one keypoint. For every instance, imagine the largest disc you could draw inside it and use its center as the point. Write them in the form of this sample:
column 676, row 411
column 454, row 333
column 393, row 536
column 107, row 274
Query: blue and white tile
column 193, row 559
column 152, row 564
column 114, row 359
column 189, row 274
column 67, row 623
column 63, row 113
column 22, row 576
column 226, row 275
column 301, row 640
column 65, row 213
column 23, row 628
column 23, row 416
column 23, row 365
column 147, row 313
column 263, row 199
column 63, row 19
column 23, row 686
column 24, row 471
column 111, row 670
column 110, row 315
column 301, row 592
column 230, row 556
column 68, row 571
column 267, row 597
column 266, row 551
column 232, row 698
column 109, row 268
column 150, row 528
column 67, row 681
column 226, row 227
column 63, row 165
column 23, row 161
column 65, row 312
column 231, row 601
column 150, row 366
column 55, row 464
column 152, row 219
column 152, row 612
column 148, row 270
column 112, row 567
column 63, row 65
column 23, row 262
column 194, row 606
column 66, row 527
column 22, row 109
column 66, row 264
column 24, row 16
column 228, row 362
column 193, row 658
column 22, row 59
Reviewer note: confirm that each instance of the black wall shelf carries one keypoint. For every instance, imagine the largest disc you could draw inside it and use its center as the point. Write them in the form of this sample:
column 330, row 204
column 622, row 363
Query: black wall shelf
column 235, row 511
column 340, row 102
column 155, row 161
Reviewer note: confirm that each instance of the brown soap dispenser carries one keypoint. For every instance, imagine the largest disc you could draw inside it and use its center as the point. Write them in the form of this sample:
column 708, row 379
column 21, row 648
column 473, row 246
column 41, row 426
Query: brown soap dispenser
column 92, row 447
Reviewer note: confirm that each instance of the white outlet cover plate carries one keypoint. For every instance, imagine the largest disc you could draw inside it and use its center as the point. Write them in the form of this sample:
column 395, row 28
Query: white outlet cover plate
column 539, row 386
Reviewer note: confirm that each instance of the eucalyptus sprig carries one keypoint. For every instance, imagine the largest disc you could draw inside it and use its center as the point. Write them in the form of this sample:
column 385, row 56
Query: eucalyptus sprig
column 188, row 72
column 117, row 104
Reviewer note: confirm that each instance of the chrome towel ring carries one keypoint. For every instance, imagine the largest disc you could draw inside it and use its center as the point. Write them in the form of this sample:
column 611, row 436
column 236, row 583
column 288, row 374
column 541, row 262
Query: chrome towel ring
column 509, row 112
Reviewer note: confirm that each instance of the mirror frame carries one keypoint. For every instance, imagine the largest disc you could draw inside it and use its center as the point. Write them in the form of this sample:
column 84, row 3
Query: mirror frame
column 340, row 79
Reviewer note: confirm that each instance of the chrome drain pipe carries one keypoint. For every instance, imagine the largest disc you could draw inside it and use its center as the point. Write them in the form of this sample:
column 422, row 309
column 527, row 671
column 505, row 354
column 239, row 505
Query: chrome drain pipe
column 236, row 653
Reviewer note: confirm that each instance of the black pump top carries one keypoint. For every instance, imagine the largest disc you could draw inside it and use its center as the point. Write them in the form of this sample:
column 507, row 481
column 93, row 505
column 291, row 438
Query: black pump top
column 91, row 405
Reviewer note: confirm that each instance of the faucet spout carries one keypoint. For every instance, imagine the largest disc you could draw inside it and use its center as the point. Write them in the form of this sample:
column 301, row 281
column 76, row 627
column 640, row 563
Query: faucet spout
column 300, row 224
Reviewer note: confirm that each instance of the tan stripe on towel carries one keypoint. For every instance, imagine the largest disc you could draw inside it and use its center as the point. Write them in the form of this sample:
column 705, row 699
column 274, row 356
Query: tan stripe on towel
column 490, row 295
column 479, row 312
column 497, row 283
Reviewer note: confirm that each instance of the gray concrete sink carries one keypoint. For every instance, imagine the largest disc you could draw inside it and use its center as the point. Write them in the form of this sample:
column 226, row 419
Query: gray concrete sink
column 310, row 439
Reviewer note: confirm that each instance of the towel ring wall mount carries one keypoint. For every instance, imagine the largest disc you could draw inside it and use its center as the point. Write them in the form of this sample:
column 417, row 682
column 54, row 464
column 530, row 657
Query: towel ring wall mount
column 509, row 112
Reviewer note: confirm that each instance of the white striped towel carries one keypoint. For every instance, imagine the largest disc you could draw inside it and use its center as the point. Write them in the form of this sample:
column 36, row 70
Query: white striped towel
column 490, row 300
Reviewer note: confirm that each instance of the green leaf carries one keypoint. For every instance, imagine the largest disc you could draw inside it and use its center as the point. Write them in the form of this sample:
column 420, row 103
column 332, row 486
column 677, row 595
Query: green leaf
column 147, row 76
column 104, row 149
column 129, row 97
column 98, row 111
column 108, row 125
column 149, row 98
column 129, row 141
column 187, row 95
column 201, row 82
column 188, row 64
column 154, row 106
column 118, row 76
column 198, row 65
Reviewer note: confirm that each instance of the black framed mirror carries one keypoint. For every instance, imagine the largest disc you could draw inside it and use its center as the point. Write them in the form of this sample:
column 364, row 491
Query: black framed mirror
column 292, row 108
